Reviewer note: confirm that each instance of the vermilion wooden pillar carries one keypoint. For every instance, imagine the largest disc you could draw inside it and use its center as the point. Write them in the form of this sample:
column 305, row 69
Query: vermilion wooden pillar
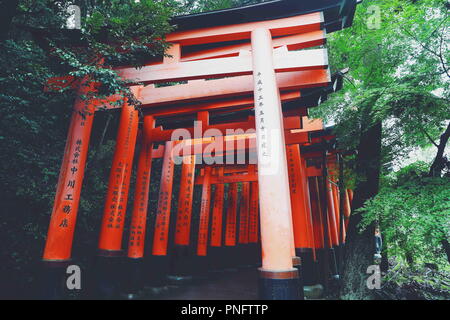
column 202, row 243
column 230, row 227
column 333, row 176
column 184, row 213
column 347, row 207
column 161, row 235
column 141, row 194
column 243, row 250
column 58, row 246
column 136, row 239
column 244, row 213
column 300, row 216
column 111, row 232
column 216, row 223
column 332, row 223
column 316, row 214
column 334, row 183
column 254, row 251
column 342, row 196
column 278, row 278
column 307, row 204
column 333, row 230
column 335, row 192
column 253, row 214
column 181, row 258
column 216, row 251
column 350, row 195
column 318, row 230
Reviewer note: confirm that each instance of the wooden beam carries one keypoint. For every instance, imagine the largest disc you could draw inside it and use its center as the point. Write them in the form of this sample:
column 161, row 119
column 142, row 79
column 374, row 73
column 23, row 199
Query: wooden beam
column 293, row 42
column 222, row 88
column 221, row 105
column 224, row 67
column 278, row 27
column 242, row 143
column 248, row 177
column 314, row 172
column 159, row 134
column 311, row 125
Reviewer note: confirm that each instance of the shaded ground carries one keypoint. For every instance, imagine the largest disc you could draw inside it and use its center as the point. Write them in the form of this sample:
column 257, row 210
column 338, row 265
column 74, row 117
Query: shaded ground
column 238, row 284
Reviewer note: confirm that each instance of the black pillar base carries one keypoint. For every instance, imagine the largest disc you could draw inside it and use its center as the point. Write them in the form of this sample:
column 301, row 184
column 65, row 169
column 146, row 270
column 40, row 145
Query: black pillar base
column 200, row 271
column 180, row 264
column 340, row 255
column 278, row 285
column 158, row 271
column 230, row 262
column 243, row 255
column 334, row 269
column 322, row 267
column 307, row 270
column 256, row 254
column 52, row 280
column 108, row 274
column 252, row 255
column 297, row 264
column 216, row 259
column 133, row 279
column 334, row 281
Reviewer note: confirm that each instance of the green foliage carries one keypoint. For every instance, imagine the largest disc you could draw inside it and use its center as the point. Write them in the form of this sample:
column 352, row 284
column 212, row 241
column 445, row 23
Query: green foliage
column 194, row 6
column 396, row 71
column 402, row 283
column 414, row 215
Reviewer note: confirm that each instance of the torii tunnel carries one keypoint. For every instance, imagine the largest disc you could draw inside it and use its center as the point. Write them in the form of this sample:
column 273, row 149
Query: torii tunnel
column 236, row 122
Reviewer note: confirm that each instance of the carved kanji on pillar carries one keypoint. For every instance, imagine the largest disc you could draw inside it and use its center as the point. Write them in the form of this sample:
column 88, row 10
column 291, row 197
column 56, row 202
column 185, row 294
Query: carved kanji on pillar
column 161, row 235
column 216, row 223
column 202, row 242
column 230, row 231
column 62, row 223
column 139, row 216
column 111, row 231
column 183, row 224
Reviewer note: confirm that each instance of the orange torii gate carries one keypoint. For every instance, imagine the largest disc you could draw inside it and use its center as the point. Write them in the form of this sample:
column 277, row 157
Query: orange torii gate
column 264, row 64
column 307, row 127
column 330, row 203
column 304, row 242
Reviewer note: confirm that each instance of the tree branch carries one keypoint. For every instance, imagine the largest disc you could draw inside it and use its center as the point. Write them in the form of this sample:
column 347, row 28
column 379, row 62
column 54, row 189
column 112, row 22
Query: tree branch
column 438, row 163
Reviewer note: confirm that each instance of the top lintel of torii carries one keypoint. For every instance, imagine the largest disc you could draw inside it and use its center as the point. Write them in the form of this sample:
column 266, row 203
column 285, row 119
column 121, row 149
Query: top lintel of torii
column 235, row 60
column 294, row 25
column 337, row 14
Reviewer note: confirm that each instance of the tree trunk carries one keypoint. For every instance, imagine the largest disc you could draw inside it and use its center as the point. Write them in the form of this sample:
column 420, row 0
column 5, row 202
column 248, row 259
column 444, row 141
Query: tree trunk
column 435, row 171
column 360, row 246
column 439, row 161
column 446, row 247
